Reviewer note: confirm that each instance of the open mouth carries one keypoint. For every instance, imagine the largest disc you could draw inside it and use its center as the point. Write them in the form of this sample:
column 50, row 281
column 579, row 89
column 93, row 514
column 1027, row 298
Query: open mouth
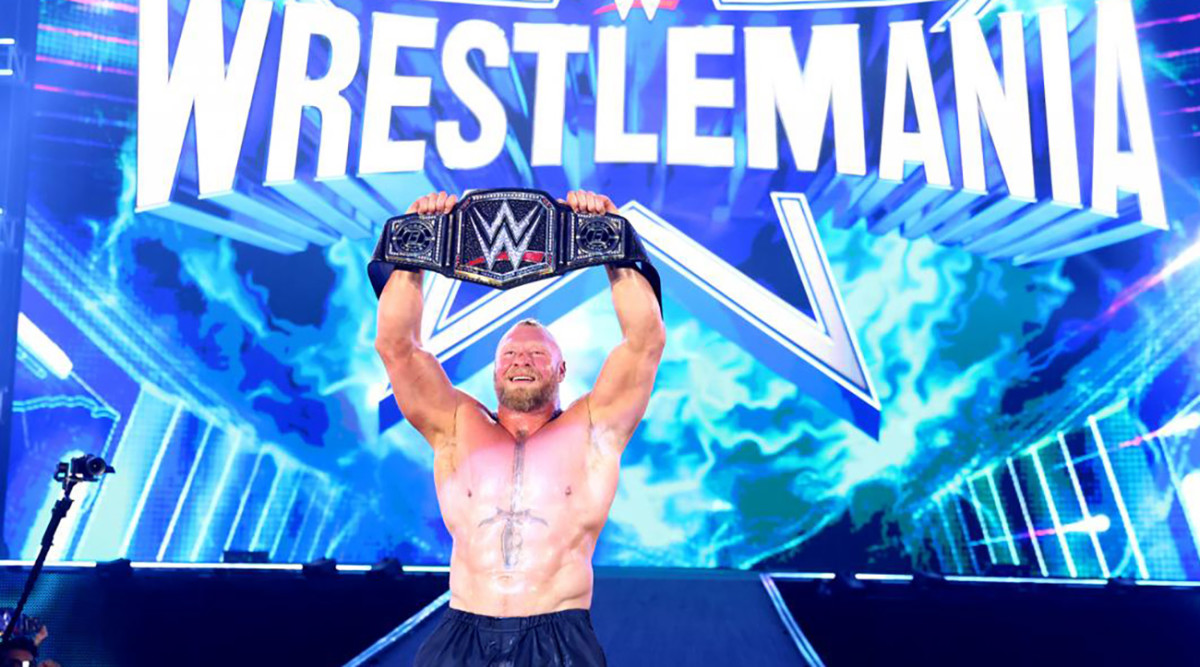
column 521, row 378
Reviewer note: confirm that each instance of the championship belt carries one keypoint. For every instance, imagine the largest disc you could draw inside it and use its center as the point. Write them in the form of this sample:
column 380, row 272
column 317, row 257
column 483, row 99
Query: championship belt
column 505, row 238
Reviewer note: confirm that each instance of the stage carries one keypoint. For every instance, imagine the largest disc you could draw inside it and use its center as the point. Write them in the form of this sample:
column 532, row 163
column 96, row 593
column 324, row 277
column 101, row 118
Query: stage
column 113, row 616
column 831, row 332
column 659, row 617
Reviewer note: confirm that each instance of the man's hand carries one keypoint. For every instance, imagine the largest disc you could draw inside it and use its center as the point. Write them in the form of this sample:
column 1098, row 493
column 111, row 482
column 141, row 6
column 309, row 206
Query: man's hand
column 434, row 202
column 586, row 201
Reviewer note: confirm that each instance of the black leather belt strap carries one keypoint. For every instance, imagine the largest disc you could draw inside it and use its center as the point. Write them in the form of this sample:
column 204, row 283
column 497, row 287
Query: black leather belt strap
column 505, row 238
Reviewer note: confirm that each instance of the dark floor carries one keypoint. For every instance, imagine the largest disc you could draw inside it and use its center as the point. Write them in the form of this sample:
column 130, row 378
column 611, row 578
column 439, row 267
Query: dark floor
column 664, row 617
column 943, row 623
column 641, row 616
column 204, row 617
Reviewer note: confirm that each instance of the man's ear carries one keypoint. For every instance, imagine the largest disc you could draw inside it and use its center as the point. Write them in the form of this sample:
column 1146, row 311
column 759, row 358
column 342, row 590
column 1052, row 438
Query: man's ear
column 562, row 371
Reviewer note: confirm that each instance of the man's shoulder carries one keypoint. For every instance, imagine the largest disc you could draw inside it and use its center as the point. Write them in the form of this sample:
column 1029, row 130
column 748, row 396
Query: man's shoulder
column 469, row 406
column 579, row 408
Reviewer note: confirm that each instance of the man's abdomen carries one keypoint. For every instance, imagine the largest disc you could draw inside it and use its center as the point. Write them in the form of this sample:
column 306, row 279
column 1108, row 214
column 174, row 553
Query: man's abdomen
column 543, row 574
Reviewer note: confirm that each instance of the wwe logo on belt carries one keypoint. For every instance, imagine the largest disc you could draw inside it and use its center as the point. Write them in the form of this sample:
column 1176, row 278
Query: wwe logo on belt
column 505, row 233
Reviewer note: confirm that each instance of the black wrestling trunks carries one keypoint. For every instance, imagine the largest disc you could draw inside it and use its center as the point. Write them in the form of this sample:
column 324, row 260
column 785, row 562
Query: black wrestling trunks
column 560, row 639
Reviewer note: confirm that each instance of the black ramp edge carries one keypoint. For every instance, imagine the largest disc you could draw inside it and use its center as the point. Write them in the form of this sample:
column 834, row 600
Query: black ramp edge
column 388, row 649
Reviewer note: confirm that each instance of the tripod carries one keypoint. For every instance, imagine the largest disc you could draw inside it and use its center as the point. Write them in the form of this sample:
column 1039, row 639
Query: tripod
column 86, row 468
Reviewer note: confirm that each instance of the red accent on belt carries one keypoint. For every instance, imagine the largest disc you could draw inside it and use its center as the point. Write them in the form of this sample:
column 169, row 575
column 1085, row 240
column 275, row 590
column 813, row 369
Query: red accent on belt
column 527, row 257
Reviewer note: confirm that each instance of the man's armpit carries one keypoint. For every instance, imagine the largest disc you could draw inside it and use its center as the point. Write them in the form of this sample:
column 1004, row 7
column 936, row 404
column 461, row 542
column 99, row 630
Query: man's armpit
column 604, row 444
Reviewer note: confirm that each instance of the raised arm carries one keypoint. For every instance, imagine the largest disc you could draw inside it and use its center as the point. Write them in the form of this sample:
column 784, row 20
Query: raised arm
column 622, row 392
column 425, row 395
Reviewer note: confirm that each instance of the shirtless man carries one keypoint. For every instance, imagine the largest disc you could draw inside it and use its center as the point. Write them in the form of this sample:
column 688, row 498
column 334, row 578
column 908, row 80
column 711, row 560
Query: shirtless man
column 524, row 491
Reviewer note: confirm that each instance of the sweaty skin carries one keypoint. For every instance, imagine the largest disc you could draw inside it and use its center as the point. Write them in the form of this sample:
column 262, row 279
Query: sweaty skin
column 524, row 491
column 524, row 511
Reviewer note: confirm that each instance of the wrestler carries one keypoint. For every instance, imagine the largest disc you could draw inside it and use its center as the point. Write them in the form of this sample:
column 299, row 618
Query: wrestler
column 524, row 491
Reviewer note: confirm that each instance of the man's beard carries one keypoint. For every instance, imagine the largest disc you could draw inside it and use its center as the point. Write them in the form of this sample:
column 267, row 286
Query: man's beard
column 526, row 399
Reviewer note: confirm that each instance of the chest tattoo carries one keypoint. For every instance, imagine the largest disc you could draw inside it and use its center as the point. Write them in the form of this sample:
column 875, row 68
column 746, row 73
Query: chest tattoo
column 514, row 518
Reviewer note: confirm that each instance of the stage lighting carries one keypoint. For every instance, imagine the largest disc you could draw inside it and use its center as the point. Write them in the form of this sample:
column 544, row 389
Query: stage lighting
column 320, row 569
column 928, row 581
column 1008, row 570
column 9, row 57
column 237, row 556
column 1189, row 490
column 115, row 569
column 846, row 582
column 388, row 568
column 1121, row 584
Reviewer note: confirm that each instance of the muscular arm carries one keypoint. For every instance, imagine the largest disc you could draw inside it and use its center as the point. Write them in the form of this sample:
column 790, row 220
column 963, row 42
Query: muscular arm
column 622, row 392
column 424, row 393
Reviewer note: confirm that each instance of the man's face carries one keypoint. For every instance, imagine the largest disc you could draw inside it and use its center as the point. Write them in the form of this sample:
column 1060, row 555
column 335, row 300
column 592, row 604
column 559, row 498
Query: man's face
column 529, row 368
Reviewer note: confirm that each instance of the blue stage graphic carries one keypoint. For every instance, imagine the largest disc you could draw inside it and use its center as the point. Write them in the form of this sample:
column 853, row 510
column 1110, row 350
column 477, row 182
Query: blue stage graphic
column 930, row 273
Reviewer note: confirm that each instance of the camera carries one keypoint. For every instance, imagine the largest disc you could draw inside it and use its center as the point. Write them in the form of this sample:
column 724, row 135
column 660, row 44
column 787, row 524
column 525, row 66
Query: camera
column 86, row 468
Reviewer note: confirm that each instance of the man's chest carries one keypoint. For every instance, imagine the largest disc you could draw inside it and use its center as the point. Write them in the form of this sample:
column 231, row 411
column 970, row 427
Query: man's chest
column 556, row 469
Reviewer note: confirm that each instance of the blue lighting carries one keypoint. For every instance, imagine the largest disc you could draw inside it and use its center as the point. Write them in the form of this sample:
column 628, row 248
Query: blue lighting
column 868, row 366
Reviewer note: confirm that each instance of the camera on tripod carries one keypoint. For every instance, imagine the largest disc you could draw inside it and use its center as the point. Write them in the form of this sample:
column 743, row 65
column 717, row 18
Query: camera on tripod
column 86, row 468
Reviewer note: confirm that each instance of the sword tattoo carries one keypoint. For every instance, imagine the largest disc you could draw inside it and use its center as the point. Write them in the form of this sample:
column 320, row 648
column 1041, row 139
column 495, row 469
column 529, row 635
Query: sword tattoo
column 510, row 537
